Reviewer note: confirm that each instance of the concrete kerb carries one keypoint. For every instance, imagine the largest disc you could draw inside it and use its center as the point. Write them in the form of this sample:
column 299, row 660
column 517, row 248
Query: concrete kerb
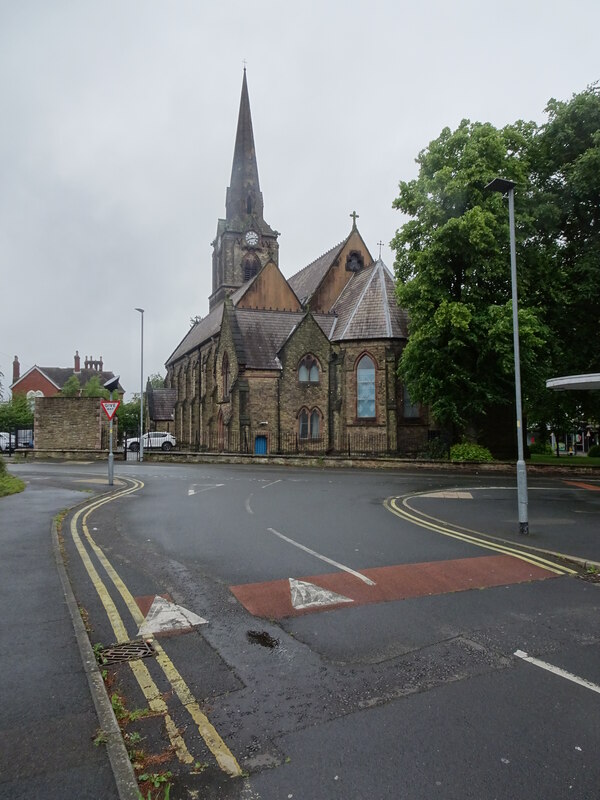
column 127, row 785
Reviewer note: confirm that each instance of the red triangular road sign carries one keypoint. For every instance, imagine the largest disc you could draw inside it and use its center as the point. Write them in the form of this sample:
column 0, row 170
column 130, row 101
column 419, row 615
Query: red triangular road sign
column 110, row 407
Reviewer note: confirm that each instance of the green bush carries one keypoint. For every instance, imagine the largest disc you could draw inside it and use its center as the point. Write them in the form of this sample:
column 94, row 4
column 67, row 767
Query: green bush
column 469, row 452
column 541, row 449
column 594, row 451
column 436, row 450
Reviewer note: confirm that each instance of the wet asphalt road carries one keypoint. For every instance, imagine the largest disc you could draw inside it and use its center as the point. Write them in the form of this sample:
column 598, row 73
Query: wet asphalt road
column 414, row 697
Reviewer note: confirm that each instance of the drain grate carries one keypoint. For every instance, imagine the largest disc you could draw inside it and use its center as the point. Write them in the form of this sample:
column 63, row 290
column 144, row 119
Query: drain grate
column 128, row 651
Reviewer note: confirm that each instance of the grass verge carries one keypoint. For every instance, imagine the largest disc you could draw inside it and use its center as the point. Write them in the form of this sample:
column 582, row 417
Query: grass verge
column 9, row 484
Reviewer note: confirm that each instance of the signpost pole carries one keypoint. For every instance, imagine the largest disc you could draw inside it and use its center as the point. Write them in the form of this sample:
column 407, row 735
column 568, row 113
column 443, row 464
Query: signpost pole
column 110, row 409
column 111, row 457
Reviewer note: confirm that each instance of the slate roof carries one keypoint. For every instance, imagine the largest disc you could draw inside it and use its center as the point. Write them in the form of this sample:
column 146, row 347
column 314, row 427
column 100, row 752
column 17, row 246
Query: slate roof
column 198, row 333
column 60, row 375
column 161, row 404
column 367, row 307
column 306, row 282
column 263, row 334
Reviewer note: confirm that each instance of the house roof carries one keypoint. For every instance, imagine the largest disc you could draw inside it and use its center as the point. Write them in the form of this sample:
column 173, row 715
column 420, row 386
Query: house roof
column 60, row 375
column 161, row 404
column 367, row 308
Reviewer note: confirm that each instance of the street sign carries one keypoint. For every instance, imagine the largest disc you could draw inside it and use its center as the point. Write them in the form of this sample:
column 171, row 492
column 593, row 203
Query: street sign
column 110, row 407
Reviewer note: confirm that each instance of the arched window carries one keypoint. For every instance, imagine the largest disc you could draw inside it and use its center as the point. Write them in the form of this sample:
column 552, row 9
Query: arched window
column 251, row 266
column 315, row 424
column 309, row 424
column 31, row 395
column 365, row 388
column 225, row 375
column 303, row 424
column 308, row 371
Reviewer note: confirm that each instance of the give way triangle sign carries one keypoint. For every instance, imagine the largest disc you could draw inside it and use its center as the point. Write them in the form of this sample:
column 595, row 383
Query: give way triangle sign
column 164, row 617
column 110, row 407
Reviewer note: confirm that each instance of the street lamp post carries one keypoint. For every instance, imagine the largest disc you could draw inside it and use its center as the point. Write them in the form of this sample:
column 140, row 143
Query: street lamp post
column 505, row 186
column 141, row 310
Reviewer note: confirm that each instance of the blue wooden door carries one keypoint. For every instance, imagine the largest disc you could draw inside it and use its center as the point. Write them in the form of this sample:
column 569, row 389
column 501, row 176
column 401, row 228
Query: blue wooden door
column 260, row 446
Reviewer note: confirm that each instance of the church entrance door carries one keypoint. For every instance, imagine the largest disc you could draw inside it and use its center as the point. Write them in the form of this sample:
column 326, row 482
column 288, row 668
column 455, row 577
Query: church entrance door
column 260, row 446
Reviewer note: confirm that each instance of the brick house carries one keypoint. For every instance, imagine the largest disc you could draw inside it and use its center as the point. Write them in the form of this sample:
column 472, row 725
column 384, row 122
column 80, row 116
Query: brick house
column 48, row 381
column 304, row 364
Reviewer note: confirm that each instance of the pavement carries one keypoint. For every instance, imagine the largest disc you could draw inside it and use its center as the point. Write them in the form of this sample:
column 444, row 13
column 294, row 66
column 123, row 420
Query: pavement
column 52, row 706
column 49, row 720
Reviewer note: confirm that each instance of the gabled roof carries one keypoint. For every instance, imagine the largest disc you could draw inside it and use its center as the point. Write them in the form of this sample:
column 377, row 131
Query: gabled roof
column 161, row 404
column 263, row 333
column 367, row 307
column 306, row 282
column 60, row 375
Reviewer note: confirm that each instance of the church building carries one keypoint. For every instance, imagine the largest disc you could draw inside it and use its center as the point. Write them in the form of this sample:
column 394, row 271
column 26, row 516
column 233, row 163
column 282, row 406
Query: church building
column 305, row 364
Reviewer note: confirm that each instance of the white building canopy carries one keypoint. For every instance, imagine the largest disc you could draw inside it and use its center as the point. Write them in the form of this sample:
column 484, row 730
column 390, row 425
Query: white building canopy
column 579, row 382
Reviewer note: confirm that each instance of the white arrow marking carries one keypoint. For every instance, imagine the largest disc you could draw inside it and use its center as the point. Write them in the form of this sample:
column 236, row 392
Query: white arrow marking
column 208, row 486
column 308, row 595
column 164, row 616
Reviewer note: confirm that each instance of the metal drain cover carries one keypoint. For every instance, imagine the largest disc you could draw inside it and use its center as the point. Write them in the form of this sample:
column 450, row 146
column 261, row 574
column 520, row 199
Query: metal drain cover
column 127, row 651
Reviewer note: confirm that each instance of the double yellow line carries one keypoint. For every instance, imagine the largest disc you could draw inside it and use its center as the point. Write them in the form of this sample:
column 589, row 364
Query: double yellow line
column 215, row 744
column 404, row 511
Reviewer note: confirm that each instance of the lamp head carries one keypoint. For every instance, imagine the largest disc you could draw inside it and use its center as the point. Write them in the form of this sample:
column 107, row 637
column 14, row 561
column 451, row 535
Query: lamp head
column 502, row 185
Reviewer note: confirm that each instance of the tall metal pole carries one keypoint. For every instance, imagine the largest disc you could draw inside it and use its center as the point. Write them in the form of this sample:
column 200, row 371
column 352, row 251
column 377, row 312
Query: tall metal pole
column 111, row 458
column 141, row 310
column 521, row 468
column 505, row 186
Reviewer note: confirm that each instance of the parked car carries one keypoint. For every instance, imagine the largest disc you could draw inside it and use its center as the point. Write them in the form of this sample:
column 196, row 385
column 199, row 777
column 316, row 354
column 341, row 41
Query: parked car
column 154, row 439
column 6, row 439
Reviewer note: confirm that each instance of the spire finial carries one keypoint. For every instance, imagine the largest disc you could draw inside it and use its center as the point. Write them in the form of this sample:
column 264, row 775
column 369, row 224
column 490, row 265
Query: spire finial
column 244, row 62
column 354, row 216
column 380, row 246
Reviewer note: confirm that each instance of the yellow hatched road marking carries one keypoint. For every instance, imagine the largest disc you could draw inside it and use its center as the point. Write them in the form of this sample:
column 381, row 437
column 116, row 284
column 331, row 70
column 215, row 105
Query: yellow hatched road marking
column 214, row 742
column 538, row 561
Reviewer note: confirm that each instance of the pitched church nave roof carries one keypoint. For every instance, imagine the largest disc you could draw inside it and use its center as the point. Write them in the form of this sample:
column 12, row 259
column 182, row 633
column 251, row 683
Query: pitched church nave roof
column 306, row 282
column 367, row 307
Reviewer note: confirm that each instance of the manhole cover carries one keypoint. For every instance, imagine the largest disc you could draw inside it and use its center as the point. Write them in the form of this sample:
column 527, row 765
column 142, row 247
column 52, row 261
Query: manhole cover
column 263, row 638
column 128, row 651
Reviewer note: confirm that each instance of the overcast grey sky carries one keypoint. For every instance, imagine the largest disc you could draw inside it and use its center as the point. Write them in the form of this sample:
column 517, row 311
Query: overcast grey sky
column 117, row 128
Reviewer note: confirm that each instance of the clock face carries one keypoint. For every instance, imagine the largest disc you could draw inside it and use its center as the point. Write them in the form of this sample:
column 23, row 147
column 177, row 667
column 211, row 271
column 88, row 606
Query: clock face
column 251, row 238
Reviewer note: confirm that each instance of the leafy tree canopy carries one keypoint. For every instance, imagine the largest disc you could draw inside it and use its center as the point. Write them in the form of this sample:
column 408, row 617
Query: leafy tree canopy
column 156, row 381
column 453, row 265
column 16, row 413
column 128, row 415
column 93, row 388
column 71, row 387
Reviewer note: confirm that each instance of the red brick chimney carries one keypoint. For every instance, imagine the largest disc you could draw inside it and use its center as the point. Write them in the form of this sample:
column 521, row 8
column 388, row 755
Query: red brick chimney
column 16, row 370
column 77, row 362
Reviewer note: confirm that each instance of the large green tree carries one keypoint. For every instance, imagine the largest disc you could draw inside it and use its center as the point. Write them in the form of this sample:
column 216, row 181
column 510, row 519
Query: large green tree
column 452, row 263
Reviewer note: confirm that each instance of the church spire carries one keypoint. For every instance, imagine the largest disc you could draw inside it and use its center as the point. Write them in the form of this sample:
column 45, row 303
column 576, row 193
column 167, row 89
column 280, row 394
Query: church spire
column 243, row 195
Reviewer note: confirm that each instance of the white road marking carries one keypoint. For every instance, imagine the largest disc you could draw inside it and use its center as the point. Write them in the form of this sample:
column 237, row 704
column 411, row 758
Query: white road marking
column 450, row 495
column 271, row 484
column 364, row 578
column 192, row 490
column 558, row 671
column 164, row 616
column 308, row 595
column 248, row 509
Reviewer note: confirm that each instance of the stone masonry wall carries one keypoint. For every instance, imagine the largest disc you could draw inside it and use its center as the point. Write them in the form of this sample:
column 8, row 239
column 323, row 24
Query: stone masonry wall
column 71, row 423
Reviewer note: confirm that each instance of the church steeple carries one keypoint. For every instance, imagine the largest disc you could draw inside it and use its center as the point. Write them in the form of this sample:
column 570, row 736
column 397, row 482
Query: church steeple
column 244, row 195
column 244, row 241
